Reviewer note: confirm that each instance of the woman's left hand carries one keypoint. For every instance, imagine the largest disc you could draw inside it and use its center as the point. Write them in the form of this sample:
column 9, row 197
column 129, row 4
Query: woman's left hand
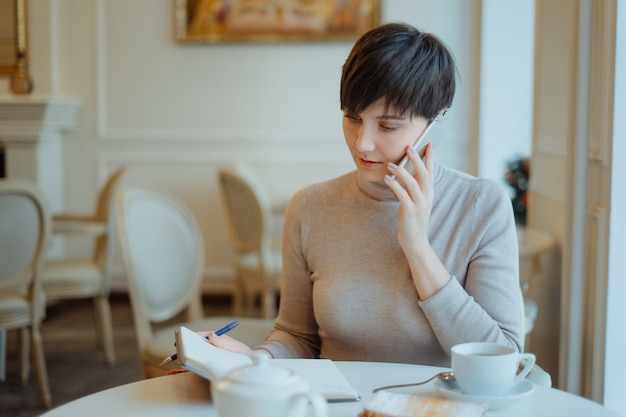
column 416, row 195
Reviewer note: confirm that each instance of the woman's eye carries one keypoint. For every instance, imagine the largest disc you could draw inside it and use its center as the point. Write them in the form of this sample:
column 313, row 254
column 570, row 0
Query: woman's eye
column 388, row 128
column 352, row 117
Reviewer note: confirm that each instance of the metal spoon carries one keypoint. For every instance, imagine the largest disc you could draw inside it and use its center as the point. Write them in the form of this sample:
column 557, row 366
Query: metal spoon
column 447, row 377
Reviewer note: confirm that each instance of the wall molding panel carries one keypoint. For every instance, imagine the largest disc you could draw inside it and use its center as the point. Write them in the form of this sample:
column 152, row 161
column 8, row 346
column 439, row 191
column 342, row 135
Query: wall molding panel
column 602, row 81
column 175, row 113
column 595, row 303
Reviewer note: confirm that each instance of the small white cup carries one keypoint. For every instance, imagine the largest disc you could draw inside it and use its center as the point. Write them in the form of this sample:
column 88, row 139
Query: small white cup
column 489, row 369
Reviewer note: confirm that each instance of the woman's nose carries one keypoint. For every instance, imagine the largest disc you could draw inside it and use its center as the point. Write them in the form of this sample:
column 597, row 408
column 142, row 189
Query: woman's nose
column 365, row 141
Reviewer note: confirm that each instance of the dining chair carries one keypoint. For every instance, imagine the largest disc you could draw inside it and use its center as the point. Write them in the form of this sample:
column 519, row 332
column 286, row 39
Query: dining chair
column 24, row 235
column 88, row 278
column 250, row 219
column 163, row 253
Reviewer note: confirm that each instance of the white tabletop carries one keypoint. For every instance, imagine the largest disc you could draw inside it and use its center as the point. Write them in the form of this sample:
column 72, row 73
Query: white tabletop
column 186, row 394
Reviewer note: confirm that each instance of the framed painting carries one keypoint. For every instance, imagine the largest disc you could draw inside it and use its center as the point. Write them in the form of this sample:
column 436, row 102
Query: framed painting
column 13, row 45
column 8, row 33
column 216, row 21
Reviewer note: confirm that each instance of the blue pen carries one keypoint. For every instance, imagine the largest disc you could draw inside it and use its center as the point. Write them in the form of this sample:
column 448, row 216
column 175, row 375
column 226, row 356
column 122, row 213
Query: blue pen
column 219, row 332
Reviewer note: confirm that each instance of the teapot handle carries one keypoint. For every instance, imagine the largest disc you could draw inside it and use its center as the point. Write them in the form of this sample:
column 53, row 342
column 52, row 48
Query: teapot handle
column 318, row 402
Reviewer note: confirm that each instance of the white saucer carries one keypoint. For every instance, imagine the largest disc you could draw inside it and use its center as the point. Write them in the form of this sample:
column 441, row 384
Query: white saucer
column 521, row 390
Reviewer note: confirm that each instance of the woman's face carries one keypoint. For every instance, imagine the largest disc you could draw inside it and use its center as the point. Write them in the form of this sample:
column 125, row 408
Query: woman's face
column 376, row 138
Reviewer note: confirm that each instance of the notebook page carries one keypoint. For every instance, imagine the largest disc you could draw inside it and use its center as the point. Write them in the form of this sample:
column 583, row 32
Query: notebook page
column 324, row 377
column 196, row 354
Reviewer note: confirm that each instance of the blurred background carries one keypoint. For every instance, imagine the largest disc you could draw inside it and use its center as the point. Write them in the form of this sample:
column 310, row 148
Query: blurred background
column 112, row 87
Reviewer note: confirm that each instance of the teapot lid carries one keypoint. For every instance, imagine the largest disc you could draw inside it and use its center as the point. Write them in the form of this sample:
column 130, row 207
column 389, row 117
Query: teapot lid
column 262, row 372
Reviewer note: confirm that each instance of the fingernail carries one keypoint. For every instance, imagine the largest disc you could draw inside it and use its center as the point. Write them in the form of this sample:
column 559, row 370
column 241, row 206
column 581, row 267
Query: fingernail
column 389, row 178
column 391, row 165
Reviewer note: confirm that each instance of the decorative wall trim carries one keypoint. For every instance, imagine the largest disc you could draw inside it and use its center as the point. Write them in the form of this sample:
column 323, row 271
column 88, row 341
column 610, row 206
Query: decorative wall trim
column 31, row 130
column 101, row 87
column 541, row 169
column 595, row 303
column 245, row 135
column 219, row 278
column 550, row 146
column 221, row 157
column 602, row 81
column 25, row 118
column 107, row 132
column 597, row 237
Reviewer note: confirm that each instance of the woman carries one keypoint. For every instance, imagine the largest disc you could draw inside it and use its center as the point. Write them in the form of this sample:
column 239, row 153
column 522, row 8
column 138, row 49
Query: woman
column 384, row 265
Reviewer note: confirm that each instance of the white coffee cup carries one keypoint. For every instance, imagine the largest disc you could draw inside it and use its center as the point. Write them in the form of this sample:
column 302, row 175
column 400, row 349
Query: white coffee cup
column 489, row 369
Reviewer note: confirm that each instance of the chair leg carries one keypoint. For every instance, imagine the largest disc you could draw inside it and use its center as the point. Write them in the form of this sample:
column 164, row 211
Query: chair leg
column 39, row 360
column 97, row 323
column 3, row 355
column 105, row 326
column 24, row 355
column 250, row 300
column 236, row 301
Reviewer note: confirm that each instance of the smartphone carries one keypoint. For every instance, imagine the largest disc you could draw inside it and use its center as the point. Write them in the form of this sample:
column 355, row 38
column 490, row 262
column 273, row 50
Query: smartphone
column 419, row 143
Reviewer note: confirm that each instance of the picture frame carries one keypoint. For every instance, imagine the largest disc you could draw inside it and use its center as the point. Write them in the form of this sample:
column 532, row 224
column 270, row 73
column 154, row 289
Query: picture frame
column 14, row 45
column 8, row 37
column 266, row 21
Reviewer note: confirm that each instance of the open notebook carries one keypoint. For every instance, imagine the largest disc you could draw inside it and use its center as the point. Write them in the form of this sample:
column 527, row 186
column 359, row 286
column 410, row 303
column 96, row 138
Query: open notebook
column 196, row 354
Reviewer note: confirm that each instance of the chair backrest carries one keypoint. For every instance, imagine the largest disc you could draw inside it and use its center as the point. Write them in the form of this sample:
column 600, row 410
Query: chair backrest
column 162, row 249
column 105, row 213
column 105, row 197
column 25, row 225
column 248, row 209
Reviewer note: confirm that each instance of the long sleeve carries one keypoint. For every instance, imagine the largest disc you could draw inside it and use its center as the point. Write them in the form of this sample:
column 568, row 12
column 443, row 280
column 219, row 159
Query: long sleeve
column 295, row 334
column 347, row 292
column 485, row 304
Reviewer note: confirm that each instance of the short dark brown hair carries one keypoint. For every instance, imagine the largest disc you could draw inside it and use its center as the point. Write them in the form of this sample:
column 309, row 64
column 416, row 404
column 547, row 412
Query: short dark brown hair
column 412, row 70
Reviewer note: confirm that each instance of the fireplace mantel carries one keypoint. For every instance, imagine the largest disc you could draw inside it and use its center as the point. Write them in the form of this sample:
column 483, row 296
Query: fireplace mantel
column 23, row 119
column 31, row 133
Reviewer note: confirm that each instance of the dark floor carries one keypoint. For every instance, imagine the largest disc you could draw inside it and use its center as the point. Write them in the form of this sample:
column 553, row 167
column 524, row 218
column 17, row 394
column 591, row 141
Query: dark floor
column 75, row 363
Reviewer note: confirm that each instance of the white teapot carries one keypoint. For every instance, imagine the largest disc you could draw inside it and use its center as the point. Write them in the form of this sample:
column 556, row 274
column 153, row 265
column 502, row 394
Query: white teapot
column 265, row 390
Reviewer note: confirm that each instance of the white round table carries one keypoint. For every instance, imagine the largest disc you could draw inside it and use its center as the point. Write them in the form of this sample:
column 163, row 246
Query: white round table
column 187, row 394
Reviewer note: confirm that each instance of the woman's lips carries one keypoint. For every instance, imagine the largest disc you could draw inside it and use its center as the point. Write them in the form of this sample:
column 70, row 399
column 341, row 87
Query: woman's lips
column 368, row 164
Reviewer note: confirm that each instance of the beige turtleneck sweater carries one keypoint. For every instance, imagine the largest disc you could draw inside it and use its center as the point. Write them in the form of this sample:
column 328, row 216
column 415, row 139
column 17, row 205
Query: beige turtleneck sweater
column 347, row 293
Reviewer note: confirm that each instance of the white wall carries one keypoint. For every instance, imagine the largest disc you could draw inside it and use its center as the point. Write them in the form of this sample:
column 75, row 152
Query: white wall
column 506, row 85
column 175, row 113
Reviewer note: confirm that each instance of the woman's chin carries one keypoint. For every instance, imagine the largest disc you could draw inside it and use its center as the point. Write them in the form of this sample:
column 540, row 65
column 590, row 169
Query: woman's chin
column 371, row 175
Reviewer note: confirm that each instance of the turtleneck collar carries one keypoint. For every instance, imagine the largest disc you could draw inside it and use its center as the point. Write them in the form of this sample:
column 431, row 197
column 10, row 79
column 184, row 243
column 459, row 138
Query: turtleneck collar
column 380, row 191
